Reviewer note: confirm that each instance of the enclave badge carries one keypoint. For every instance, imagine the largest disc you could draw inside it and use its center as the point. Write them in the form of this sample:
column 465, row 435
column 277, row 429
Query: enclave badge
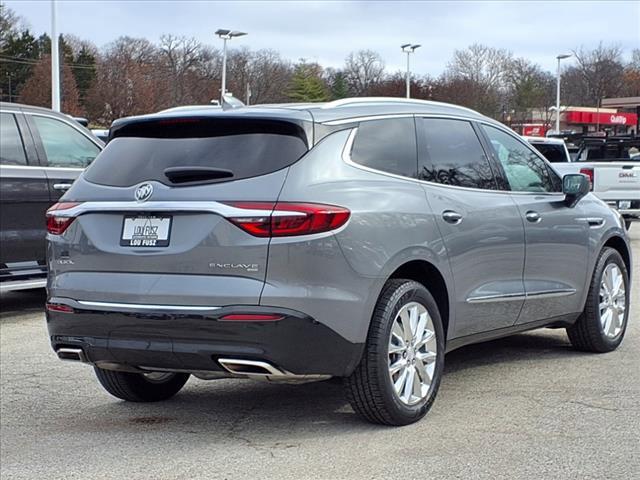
column 143, row 192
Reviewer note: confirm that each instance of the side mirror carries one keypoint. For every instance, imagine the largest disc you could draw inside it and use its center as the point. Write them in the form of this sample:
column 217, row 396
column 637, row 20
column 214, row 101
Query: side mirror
column 575, row 186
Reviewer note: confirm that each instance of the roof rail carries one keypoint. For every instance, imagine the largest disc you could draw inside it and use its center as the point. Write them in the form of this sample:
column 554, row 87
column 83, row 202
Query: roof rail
column 343, row 102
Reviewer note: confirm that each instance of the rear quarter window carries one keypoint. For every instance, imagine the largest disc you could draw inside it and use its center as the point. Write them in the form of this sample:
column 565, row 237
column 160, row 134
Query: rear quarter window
column 388, row 145
column 244, row 148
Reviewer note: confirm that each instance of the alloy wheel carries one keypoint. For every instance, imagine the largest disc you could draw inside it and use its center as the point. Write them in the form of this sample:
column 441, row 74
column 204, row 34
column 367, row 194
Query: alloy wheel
column 613, row 300
column 412, row 353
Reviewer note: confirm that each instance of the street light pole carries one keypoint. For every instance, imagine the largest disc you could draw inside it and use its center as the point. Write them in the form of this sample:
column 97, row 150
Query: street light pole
column 55, row 62
column 223, row 88
column 409, row 49
column 559, row 57
column 225, row 35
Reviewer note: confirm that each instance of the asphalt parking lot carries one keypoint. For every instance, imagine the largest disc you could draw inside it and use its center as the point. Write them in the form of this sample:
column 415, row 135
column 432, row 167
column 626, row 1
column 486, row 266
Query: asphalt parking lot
column 527, row 406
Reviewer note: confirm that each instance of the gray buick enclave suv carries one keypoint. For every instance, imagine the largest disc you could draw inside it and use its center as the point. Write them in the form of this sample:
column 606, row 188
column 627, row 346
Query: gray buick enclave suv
column 362, row 239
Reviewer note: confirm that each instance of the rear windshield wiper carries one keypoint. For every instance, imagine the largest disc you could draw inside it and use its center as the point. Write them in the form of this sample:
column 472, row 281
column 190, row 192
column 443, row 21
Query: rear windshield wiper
column 196, row 174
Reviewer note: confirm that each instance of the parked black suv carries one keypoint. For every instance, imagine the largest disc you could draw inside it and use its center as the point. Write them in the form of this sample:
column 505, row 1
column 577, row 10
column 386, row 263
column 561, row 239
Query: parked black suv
column 41, row 154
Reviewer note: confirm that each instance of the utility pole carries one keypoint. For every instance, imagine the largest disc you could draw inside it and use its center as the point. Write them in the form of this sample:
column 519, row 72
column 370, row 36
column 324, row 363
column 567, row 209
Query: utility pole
column 55, row 62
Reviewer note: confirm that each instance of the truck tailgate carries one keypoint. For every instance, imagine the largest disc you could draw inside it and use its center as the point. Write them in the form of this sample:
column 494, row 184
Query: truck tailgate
column 616, row 180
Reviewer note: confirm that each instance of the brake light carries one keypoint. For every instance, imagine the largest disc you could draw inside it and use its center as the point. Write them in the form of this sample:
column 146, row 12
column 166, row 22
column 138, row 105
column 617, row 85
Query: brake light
column 285, row 219
column 56, row 225
column 589, row 172
column 58, row 307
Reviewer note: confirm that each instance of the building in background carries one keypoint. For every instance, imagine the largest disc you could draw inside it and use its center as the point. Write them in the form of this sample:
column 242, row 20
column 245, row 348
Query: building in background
column 613, row 121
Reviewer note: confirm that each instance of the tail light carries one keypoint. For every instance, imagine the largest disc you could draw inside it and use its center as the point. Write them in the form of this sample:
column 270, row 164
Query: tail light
column 589, row 172
column 58, row 307
column 285, row 219
column 56, row 224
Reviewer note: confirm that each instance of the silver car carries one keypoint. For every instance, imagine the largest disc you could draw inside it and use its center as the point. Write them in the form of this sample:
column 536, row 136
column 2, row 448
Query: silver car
column 362, row 239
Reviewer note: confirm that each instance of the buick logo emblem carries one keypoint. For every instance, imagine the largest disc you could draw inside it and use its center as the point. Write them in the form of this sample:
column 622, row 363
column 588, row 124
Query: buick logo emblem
column 143, row 192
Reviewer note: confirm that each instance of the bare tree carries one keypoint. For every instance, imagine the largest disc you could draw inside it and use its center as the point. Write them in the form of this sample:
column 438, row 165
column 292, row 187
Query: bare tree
column 478, row 76
column 127, row 81
column 529, row 88
column 181, row 58
column 597, row 75
column 264, row 72
column 37, row 89
column 363, row 70
column 483, row 65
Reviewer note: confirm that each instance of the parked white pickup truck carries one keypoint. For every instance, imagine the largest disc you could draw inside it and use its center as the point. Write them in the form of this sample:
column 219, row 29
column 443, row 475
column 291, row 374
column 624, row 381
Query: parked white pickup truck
column 612, row 164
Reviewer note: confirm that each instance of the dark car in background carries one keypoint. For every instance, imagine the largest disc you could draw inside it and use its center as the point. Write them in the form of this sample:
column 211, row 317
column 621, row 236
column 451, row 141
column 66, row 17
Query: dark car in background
column 41, row 154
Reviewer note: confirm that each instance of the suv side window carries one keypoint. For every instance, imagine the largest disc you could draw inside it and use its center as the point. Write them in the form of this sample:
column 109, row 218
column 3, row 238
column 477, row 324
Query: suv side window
column 451, row 154
column 63, row 144
column 525, row 170
column 388, row 145
column 11, row 146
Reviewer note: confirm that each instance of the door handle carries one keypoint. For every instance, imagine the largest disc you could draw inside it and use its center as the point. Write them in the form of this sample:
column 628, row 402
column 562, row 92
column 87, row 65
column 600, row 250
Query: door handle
column 450, row 216
column 533, row 217
column 61, row 186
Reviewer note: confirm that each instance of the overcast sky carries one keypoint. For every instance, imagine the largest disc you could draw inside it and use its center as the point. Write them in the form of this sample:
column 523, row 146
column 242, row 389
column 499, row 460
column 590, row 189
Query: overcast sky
column 327, row 31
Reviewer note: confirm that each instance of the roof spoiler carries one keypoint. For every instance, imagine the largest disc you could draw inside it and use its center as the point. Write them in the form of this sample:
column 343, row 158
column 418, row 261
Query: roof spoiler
column 229, row 102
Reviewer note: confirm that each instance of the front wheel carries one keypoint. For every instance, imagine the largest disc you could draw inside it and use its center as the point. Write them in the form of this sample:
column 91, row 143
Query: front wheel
column 141, row 387
column 398, row 377
column 601, row 326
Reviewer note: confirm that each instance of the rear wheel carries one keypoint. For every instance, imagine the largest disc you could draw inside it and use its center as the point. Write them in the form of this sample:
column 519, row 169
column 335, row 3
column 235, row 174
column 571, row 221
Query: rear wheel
column 141, row 387
column 601, row 326
column 399, row 374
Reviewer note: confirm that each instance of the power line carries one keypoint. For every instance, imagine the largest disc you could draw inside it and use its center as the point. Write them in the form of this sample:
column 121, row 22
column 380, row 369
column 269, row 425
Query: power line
column 25, row 61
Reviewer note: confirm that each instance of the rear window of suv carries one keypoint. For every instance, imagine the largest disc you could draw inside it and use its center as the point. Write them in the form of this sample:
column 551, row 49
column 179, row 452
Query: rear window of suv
column 186, row 151
column 555, row 153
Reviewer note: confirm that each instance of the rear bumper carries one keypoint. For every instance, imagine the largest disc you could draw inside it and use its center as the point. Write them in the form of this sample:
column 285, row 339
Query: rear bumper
column 632, row 212
column 188, row 340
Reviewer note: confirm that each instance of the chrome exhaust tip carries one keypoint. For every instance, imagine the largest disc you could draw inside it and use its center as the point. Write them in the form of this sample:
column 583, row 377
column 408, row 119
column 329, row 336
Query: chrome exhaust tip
column 71, row 354
column 249, row 367
column 260, row 370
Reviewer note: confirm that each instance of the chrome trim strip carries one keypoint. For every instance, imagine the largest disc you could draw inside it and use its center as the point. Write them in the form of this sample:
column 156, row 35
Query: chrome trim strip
column 344, row 121
column 56, row 169
column 522, row 296
column 509, row 297
column 169, row 206
column 10, row 286
column 145, row 306
column 563, row 292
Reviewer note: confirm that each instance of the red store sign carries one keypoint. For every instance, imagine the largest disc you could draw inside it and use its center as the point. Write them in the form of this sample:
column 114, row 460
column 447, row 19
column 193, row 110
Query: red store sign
column 602, row 118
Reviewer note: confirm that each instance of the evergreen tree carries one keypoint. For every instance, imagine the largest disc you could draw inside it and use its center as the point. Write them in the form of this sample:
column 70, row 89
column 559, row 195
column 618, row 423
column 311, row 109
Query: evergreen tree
column 307, row 84
column 18, row 56
column 339, row 87
column 84, row 71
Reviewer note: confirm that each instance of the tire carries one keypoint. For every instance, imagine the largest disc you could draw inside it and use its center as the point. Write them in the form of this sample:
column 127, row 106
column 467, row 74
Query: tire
column 589, row 333
column 137, row 387
column 370, row 388
column 627, row 224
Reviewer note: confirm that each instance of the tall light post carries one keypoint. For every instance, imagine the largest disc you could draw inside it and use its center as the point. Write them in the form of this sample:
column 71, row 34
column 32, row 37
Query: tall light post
column 55, row 62
column 409, row 49
column 559, row 57
column 226, row 35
